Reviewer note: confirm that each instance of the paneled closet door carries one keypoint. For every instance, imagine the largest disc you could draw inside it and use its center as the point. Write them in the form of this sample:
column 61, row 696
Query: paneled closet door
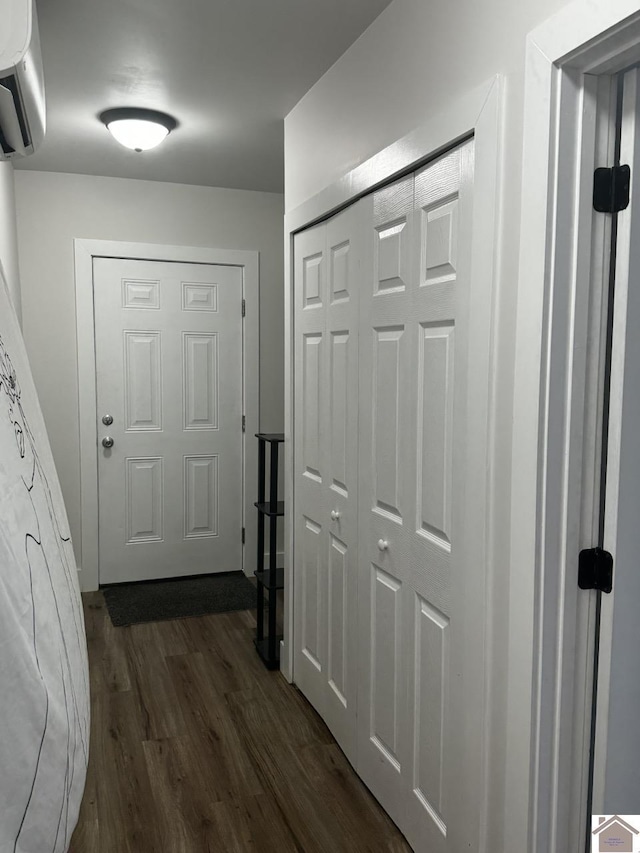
column 344, row 263
column 310, row 504
column 327, row 266
column 388, row 361
column 412, row 389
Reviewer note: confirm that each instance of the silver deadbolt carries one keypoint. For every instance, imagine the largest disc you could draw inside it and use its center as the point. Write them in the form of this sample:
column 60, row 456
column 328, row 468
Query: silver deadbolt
column 107, row 441
column 107, row 420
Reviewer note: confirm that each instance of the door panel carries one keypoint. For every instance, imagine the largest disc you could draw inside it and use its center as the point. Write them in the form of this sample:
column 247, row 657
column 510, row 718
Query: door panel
column 386, row 419
column 387, row 364
column 169, row 372
column 340, row 430
column 386, row 700
column 340, row 343
column 431, row 689
column 435, row 429
column 313, row 278
column 200, row 382
column 144, row 485
column 310, row 512
column 199, row 297
column 312, row 364
column 142, row 388
column 411, row 395
column 327, row 264
column 202, row 496
column 392, row 237
column 313, row 571
column 338, row 619
column 445, row 678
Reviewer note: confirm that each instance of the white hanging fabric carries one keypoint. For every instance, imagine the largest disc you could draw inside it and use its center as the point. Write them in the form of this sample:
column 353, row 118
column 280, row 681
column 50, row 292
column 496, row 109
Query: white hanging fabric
column 44, row 682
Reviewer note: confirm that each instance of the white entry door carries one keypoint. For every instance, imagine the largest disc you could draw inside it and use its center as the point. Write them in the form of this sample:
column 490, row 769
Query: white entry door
column 169, row 375
column 421, row 696
column 327, row 265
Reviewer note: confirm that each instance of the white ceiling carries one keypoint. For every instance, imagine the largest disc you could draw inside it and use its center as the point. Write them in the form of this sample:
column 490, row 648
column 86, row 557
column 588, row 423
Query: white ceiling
column 228, row 70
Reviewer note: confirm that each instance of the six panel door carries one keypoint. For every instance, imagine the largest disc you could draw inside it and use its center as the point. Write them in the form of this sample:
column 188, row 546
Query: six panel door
column 169, row 374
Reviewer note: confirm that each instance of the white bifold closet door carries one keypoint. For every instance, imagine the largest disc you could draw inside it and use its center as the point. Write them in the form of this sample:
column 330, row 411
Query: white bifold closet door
column 413, row 631
column 327, row 267
column 417, row 665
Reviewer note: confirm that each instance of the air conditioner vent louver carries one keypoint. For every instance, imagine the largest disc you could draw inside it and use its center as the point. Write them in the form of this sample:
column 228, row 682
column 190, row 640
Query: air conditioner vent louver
column 14, row 136
column 4, row 145
column 11, row 83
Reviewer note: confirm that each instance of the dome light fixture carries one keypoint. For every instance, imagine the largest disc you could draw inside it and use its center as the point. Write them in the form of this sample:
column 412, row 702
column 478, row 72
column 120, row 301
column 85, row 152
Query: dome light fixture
column 138, row 128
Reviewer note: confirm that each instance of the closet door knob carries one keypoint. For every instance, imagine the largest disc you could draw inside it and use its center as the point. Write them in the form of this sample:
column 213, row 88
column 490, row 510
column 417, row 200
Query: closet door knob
column 383, row 545
column 335, row 515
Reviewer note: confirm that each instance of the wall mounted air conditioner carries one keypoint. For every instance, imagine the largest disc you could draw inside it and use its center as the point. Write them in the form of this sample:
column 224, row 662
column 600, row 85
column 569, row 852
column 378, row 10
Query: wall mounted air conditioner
column 22, row 106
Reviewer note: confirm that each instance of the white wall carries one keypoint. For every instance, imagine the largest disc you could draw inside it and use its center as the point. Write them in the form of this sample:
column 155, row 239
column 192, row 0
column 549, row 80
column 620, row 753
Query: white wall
column 53, row 209
column 8, row 236
column 415, row 59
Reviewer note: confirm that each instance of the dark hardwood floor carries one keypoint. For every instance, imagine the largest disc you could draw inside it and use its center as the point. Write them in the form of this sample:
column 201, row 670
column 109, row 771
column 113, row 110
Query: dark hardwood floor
column 196, row 747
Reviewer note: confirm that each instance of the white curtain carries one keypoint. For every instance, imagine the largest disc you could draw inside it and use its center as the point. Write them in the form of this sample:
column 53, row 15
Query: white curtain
column 44, row 683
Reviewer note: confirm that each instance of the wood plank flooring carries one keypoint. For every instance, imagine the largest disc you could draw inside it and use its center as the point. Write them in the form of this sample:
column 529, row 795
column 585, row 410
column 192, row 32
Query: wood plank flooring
column 197, row 748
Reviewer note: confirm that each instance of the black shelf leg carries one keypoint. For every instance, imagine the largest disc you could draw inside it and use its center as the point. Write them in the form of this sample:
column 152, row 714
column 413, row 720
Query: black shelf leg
column 268, row 642
column 273, row 533
column 273, row 476
column 260, row 611
column 261, row 471
column 260, row 554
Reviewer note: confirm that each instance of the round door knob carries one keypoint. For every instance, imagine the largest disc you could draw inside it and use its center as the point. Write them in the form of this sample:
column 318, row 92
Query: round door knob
column 335, row 515
column 107, row 441
column 107, row 420
column 383, row 545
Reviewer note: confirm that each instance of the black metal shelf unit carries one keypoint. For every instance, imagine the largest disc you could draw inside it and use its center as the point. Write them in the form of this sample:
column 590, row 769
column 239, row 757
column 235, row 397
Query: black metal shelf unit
column 272, row 579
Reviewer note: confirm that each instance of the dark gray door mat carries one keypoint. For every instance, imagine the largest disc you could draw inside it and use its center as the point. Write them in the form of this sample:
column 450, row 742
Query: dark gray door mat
column 155, row 601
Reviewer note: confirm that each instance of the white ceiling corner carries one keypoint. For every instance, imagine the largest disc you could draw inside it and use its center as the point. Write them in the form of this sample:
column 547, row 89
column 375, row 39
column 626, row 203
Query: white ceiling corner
column 228, row 70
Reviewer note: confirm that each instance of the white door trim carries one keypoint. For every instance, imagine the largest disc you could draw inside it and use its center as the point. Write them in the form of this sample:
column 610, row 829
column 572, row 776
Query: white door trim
column 561, row 265
column 477, row 114
column 85, row 251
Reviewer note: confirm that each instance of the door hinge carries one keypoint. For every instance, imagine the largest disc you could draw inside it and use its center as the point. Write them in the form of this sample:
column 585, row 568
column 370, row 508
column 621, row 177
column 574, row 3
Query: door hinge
column 595, row 570
column 244, row 423
column 243, row 535
column 611, row 189
column 244, row 307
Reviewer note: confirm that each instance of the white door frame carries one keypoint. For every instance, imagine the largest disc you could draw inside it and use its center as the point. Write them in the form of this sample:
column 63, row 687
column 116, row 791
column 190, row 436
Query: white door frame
column 85, row 251
column 479, row 114
column 561, row 282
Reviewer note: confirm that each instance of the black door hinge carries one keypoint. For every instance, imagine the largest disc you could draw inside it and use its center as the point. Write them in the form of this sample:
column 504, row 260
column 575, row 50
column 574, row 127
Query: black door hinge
column 244, row 308
column 595, row 570
column 243, row 535
column 244, row 423
column 611, row 189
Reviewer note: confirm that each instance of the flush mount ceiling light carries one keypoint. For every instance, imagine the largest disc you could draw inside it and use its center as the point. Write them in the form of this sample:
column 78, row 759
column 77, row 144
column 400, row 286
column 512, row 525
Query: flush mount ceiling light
column 138, row 128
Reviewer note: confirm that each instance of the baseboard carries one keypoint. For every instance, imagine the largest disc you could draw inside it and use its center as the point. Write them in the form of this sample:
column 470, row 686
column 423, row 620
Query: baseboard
column 83, row 583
